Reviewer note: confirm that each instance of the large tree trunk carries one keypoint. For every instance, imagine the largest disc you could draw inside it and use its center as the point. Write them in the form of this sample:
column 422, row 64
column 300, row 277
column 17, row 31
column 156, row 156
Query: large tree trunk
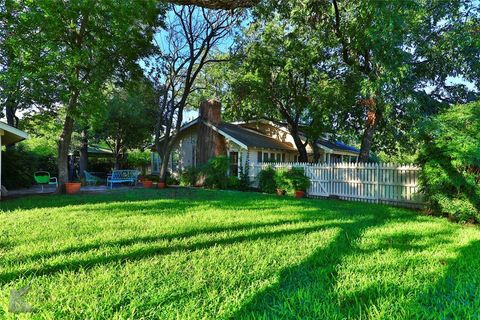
column 316, row 152
column 368, row 135
column 209, row 143
column 164, row 167
column 117, row 155
column 63, row 149
column 83, row 164
column 64, row 142
column 12, row 120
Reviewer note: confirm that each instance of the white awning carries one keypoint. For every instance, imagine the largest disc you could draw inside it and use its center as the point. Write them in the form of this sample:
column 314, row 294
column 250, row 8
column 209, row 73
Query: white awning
column 10, row 134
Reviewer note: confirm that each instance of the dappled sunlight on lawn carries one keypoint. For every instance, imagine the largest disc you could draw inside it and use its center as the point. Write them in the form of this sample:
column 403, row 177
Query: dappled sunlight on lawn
column 212, row 254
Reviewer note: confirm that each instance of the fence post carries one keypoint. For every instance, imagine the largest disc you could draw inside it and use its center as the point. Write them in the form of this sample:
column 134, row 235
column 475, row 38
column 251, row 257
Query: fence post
column 331, row 178
column 377, row 196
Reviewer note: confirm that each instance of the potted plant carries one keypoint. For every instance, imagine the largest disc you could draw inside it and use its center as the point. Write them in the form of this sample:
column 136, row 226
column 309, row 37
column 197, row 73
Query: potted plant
column 282, row 183
column 73, row 187
column 299, row 182
column 147, row 184
column 150, row 180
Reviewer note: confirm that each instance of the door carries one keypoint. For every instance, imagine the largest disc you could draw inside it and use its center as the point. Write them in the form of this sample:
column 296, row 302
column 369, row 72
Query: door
column 234, row 164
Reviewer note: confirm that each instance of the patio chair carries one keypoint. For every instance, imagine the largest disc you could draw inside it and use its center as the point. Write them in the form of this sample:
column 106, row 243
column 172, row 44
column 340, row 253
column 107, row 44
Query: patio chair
column 43, row 178
column 92, row 180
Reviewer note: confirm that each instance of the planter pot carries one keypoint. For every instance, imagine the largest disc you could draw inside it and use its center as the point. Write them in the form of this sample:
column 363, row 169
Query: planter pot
column 299, row 194
column 155, row 185
column 162, row 185
column 72, row 187
column 147, row 184
column 281, row 192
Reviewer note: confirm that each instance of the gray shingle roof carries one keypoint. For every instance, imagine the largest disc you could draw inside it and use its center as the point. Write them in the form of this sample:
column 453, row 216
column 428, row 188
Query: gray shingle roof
column 252, row 138
column 337, row 145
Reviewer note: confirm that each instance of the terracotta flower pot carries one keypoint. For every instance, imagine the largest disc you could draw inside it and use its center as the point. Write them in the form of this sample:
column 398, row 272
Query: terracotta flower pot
column 299, row 194
column 162, row 185
column 147, row 184
column 281, row 192
column 72, row 187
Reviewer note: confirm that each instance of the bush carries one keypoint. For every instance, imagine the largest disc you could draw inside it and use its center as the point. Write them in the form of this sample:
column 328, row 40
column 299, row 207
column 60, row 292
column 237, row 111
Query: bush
column 189, row 177
column 215, row 172
column 266, row 180
column 244, row 182
column 450, row 160
column 233, row 183
column 19, row 165
column 281, row 181
column 297, row 180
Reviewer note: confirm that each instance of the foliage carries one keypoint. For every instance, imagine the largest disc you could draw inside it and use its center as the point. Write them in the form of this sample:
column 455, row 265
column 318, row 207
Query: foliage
column 127, row 120
column 266, row 180
column 244, row 183
column 418, row 267
column 75, row 48
column 450, row 160
column 139, row 159
column 281, row 180
column 19, row 164
column 216, row 172
column 297, row 180
column 189, row 176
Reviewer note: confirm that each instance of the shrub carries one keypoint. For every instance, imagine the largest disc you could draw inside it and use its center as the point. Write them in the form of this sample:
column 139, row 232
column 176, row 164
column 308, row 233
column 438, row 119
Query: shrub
column 19, row 165
column 189, row 177
column 266, row 180
column 244, row 182
column 215, row 172
column 297, row 179
column 281, row 180
column 233, row 183
column 450, row 160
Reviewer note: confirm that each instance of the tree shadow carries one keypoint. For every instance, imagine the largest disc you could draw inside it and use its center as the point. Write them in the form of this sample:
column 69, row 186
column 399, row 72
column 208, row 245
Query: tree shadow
column 155, row 238
column 152, row 250
column 457, row 294
column 303, row 287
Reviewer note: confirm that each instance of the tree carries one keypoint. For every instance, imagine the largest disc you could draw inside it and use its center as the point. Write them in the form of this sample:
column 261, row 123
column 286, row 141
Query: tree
column 394, row 51
column 190, row 39
column 127, row 121
column 218, row 4
column 284, row 73
column 79, row 45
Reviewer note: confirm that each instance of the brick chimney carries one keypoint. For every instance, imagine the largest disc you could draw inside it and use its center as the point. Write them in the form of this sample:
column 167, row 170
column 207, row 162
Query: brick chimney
column 209, row 142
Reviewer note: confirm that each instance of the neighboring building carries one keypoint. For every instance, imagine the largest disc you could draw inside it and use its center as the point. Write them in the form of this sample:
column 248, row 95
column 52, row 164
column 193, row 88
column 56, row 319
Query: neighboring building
column 8, row 135
column 254, row 141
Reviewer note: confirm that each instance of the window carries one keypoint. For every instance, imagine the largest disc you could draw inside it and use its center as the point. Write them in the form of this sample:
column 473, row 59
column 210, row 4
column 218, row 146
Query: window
column 259, row 157
column 272, row 157
column 279, row 157
column 283, row 157
column 234, row 164
column 265, row 157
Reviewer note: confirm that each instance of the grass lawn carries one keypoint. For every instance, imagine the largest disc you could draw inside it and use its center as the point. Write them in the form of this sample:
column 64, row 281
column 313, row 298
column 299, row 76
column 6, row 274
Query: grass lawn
column 196, row 254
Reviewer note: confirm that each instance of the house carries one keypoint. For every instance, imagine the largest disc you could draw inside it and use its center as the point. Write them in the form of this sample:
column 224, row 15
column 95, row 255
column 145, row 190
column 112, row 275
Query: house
column 8, row 135
column 256, row 141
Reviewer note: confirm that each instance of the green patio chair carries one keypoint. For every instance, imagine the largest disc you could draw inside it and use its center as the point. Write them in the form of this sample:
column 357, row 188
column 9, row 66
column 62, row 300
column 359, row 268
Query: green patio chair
column 90, row 179
column 43, row 178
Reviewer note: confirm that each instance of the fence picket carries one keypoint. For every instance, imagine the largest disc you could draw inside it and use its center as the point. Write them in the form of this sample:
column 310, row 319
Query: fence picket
column 371, row 182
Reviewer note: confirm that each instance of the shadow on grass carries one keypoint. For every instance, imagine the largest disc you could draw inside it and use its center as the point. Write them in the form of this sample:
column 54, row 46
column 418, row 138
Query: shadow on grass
column 151, row 251
column 457, row 294
column 155, row 238
column 301, row 289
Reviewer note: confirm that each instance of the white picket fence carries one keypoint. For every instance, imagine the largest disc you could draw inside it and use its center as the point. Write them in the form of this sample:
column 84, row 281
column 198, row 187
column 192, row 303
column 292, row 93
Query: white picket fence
column 369, row 182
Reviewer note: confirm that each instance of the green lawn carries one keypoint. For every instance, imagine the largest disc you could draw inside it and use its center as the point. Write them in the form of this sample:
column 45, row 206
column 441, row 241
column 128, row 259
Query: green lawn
column 195, row 254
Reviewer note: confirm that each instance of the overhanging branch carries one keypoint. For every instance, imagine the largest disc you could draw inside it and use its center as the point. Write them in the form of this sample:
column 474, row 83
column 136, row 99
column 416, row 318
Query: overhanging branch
column 218, row 4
